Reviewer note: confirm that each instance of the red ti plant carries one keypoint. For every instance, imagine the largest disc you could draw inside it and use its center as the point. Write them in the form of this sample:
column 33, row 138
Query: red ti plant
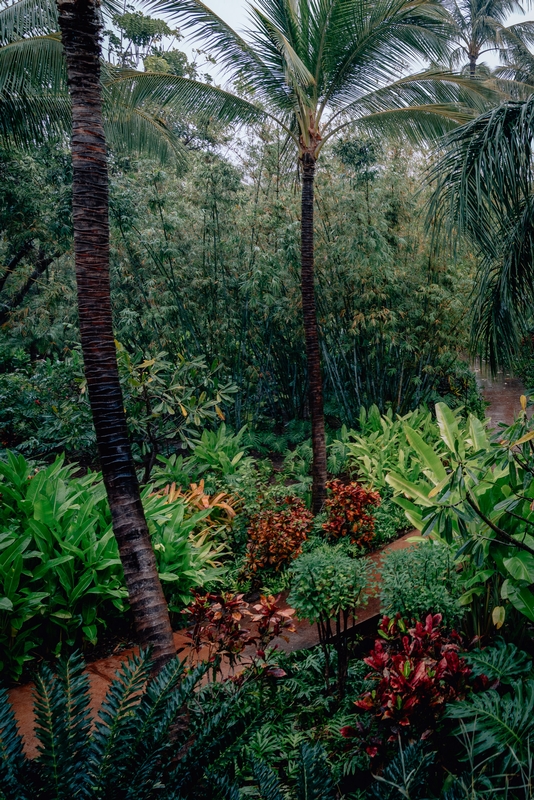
column 215, row 624
column 347, row 505
column 271, row 621
column 417, row 671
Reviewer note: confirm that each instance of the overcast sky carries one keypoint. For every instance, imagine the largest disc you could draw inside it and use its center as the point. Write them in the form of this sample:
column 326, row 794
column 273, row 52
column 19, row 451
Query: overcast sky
column 235, row 13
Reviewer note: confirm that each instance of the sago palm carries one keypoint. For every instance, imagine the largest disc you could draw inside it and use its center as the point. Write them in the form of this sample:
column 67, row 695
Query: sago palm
column 316, row 67
column 478, row 27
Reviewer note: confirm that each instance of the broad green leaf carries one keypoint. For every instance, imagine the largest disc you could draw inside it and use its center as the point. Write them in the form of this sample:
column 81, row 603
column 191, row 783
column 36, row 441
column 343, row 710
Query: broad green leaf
column 427, row 454
column 448, row 425
column 416, row 492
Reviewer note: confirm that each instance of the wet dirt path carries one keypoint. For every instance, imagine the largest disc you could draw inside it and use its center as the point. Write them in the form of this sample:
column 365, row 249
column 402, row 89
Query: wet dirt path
column 501, row 392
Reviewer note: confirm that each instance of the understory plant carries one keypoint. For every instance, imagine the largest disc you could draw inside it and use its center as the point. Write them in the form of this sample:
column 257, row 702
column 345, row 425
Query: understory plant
column 143, row 744
column 420, row 580
column 61, row 580
column 417, row 671
column 326, row 588
column 479, row 496
column 218, row 634
column 381, row 445
column 347, row 507
column 276, row 535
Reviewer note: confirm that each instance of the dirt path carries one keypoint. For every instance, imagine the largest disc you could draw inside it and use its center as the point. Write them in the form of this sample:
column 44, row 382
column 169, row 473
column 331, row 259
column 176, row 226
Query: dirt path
column 502, row 393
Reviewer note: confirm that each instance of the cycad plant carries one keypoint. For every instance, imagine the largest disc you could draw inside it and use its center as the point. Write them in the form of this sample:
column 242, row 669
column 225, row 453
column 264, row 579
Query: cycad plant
column 316, row 67
column 141, row 745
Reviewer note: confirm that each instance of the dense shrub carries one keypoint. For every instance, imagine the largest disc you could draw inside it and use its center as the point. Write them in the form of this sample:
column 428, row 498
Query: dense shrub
column 276, row 535
column 420, row 580
column 61, row 579
column 326, row 587
column 347, row 507
column 416, row 672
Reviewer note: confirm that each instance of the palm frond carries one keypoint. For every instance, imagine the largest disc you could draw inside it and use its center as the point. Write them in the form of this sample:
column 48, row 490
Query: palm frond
column 27, row 18
column 33, row 63
column 483, row 191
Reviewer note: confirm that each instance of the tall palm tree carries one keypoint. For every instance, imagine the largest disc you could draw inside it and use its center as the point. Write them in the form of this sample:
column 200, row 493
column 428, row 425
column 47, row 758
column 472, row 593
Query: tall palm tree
column 478, row 27
column 36, row 65
column 80, row 25
column 316, row 67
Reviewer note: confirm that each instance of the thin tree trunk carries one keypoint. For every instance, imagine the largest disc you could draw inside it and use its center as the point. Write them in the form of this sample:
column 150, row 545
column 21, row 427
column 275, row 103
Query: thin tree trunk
column 472, row 66
column 15, row 261
column 80, row 32
column 312, row 338
column 43, row 263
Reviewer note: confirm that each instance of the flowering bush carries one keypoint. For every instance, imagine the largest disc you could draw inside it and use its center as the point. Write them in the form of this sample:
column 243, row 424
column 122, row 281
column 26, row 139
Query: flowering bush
column 347, row 507
column 276, row 536
column 417, row 671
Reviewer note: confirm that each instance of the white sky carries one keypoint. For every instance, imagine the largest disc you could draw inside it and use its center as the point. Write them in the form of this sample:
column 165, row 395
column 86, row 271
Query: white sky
column 235, row 13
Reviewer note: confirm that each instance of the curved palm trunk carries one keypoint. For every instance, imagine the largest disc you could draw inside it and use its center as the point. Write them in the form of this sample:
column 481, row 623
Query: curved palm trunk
column 80, row 31
column 311, row 335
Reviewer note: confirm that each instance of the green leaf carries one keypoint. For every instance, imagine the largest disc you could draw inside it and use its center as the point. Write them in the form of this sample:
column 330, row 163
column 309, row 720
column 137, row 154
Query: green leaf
column 427, row 454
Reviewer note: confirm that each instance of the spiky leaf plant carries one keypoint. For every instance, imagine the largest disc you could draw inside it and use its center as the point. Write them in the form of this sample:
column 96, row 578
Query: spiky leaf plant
column 143, row 744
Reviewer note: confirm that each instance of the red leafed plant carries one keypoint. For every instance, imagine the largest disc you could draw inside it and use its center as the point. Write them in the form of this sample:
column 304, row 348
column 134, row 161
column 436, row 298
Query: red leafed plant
column 347, row 506
column 418, row 670
column 271, row 621
column 215, row 624
column 276, row 535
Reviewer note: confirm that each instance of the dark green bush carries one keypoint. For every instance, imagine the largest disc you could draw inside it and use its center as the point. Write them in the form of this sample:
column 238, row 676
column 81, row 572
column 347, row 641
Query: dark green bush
column 421, row 580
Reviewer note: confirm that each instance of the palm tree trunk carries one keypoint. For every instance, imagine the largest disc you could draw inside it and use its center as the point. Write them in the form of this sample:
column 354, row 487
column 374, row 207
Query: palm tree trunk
column 472, row 66
column 315, row 381
column 80, row 31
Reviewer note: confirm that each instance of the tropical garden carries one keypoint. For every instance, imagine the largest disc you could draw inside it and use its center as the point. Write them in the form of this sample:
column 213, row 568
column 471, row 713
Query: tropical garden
column 244, row 456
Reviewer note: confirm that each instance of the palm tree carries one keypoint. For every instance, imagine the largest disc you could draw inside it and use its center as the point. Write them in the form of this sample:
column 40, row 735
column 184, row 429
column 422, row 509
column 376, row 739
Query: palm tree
column 33, row 100
column 316, row 67
column 478, row 28
column 485, row 192
column 79, row 22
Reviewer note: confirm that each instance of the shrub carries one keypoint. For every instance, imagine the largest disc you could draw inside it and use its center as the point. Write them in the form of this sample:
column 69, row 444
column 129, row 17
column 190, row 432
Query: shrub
column 421, row 580
column 347, row 507
column 326, row 587
column 215, row 624
column 417, row 671
column 61, row 579
column 276, row 535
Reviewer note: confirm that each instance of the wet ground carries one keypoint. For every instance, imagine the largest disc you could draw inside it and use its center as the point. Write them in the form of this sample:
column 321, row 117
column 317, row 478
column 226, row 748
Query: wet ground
column 502, row 392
